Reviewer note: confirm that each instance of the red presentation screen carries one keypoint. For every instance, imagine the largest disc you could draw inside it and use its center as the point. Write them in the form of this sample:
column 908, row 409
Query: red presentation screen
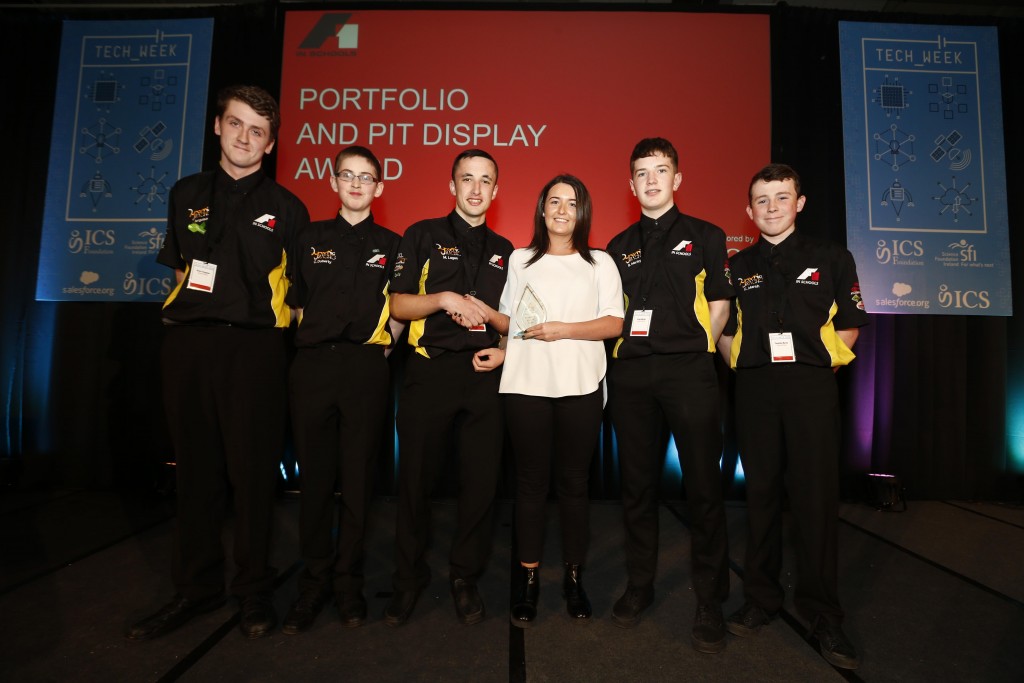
column 543, row 92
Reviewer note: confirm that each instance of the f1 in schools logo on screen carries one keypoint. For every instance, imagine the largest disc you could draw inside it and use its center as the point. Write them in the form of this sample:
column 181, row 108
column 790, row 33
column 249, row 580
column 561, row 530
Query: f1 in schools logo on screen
column 331, row 36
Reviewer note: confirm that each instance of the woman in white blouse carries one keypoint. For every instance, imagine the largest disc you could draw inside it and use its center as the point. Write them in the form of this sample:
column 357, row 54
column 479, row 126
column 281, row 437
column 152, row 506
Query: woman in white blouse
column 563, row 298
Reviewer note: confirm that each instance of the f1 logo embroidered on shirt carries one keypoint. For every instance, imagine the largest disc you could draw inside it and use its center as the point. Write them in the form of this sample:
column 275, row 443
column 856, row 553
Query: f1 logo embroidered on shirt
column 266, row 221
column 809, row 275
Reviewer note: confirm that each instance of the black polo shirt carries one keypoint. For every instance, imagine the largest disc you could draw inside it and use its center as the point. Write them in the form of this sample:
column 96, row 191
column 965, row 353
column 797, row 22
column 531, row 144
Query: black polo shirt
column 803, row 286
column 340, row 281
column 447, row 254
column 673, row 266
column 248, row 228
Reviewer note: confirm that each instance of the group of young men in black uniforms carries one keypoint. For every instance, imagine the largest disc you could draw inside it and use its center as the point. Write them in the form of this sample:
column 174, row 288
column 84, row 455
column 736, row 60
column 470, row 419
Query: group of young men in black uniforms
column 784, row 313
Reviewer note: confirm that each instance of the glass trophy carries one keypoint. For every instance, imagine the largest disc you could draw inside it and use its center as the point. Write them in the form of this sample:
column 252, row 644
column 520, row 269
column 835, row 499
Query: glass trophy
column 530, row 311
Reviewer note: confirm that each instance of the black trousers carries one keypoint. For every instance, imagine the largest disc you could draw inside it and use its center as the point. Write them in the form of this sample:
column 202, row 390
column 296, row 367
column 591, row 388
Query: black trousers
column 788, row 424
column 444, row 401
column 562, row 431
column 224, row 394
column 682, row 391
column 339, row 397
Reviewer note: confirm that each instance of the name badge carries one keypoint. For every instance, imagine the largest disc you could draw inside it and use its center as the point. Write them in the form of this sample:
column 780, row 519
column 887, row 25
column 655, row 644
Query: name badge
column 641, row 326
column 782, row 347
column 202, row 275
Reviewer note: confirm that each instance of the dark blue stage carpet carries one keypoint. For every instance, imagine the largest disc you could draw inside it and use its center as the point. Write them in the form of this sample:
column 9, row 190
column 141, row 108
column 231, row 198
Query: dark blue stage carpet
column 932, row 594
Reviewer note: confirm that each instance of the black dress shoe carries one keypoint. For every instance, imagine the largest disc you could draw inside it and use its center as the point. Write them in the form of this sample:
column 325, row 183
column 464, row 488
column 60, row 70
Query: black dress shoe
column 351, row 609
column 171, row 616
column 524, row 610
column 258, row 616
column 305, row 610
column 627, row 609
column 835, row 646
column 469, row 606
column 400, row 608
column 708, row 635
column 747, row 620
column 577, row 604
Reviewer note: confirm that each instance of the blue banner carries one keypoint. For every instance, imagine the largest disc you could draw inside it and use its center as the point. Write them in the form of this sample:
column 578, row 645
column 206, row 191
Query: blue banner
column 926, row 210
column 129, row 122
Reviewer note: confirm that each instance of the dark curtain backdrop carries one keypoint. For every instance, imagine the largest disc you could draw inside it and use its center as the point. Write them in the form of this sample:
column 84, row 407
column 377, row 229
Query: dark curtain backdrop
column 931, row 398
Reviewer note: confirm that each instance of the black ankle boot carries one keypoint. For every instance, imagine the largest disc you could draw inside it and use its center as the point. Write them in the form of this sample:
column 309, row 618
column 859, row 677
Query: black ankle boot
column 577, row 604
column 524, row 610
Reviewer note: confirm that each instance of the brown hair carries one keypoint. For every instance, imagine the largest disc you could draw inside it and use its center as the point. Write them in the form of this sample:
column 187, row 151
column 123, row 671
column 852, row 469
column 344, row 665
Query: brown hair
column 262, row 102
column 773, row 172
column 649, row 147
column 581, row 231
column 361, row 152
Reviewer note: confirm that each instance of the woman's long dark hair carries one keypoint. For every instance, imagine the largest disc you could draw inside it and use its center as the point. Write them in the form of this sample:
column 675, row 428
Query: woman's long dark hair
column 580, row 233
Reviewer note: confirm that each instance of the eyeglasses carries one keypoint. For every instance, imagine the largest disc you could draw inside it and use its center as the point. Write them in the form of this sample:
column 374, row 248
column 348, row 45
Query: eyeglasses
column 349, row 176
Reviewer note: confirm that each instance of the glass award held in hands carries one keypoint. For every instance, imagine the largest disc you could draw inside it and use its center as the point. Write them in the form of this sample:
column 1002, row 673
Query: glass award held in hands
column 530, row 311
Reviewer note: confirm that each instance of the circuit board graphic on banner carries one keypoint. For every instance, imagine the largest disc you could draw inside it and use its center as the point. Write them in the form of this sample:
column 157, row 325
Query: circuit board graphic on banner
column 926, row 188
column 128, row 123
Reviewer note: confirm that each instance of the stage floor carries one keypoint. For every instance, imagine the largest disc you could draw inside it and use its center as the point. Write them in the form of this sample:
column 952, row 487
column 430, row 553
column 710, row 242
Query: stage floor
column 935, row 593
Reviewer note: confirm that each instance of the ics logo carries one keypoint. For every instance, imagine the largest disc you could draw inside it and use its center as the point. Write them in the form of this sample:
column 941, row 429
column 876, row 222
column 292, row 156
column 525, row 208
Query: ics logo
column 98, row 241
column 956, row 298
column 136, row 285
column 902, row 252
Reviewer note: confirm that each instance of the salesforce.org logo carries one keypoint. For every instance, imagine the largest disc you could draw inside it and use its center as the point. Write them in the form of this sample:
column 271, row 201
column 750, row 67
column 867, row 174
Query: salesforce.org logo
column 88, row 278
column 98, row 241
column 134, row 285
column 899, row 252
column 900, row 291
column 963, row 298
